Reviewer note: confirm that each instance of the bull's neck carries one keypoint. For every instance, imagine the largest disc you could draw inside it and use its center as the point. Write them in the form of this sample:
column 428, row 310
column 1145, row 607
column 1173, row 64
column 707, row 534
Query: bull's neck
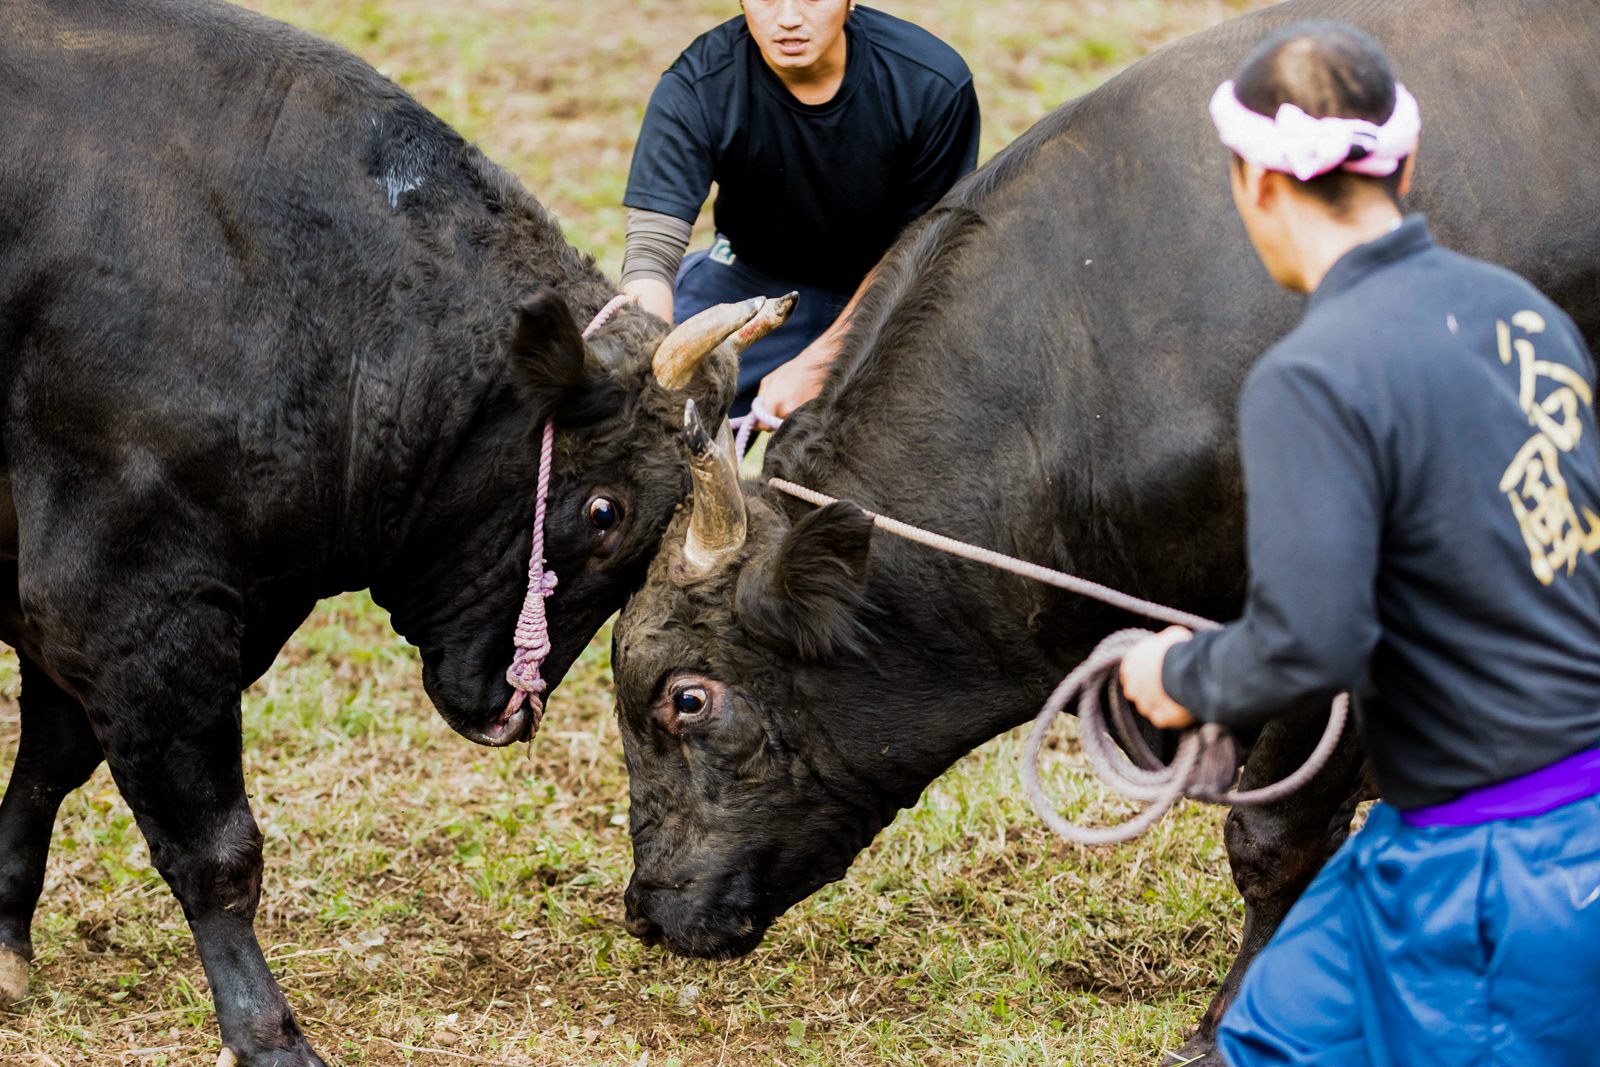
column 964, row 652
column 416, row 401
column 957, row 657
column 413, row 409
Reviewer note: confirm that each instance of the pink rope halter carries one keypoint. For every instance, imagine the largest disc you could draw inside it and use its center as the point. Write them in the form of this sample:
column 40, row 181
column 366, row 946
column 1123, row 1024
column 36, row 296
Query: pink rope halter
column 745, row 426
column 532, row 638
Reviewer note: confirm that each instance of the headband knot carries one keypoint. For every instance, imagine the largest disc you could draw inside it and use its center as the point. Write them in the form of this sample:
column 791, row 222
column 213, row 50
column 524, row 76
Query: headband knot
column 1293, row 142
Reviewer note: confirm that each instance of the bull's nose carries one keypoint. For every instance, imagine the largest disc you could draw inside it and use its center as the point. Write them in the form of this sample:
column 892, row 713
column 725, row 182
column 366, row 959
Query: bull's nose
column 636, row 902
column 647, row 930
column 506, row 729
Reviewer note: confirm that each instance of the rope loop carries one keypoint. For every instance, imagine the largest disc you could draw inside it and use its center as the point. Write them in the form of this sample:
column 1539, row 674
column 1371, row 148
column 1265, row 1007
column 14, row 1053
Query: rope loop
column 746, row 426
column 1204, row 768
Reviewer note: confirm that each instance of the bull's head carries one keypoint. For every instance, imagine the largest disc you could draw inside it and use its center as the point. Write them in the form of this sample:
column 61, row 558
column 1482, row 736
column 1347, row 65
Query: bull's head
column 752, row 784
column 456, row 585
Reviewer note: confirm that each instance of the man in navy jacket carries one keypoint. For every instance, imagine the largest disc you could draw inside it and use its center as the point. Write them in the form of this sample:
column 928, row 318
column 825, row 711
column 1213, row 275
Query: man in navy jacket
column 1423, row 485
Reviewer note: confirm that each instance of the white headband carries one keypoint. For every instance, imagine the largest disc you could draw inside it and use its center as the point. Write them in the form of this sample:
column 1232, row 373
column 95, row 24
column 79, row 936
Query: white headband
column 1295, row 143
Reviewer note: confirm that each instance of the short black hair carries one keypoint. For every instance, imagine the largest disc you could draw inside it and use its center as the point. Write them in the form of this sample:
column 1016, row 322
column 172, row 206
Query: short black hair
column 1325, row 69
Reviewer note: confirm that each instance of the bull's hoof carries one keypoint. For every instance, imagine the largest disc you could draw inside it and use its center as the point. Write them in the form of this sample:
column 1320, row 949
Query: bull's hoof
column 227, row 1059
column 1199, row 1051
column 13, row 976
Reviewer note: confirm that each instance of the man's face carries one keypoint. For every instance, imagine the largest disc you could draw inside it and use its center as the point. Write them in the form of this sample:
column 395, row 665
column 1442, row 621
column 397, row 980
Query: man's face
column 1261, row 199
column 796, row 34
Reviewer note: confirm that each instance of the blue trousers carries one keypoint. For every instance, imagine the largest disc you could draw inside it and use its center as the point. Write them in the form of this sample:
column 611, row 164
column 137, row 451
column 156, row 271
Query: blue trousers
column 1475, row 946
column 717, row 276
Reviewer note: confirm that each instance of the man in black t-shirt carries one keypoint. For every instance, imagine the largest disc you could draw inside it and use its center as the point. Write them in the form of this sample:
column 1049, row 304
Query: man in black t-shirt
column 827, row 128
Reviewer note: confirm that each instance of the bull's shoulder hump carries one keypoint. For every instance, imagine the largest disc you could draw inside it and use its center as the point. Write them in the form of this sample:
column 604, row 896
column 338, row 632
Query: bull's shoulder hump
column 215, row 42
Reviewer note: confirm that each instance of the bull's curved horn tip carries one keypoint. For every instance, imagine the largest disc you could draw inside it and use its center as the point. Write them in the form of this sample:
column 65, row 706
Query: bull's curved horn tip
column 682, row 351
column 694, row 429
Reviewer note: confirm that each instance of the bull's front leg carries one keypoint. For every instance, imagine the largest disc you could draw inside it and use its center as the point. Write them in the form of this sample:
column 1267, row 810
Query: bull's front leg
column 57, row 754
column 160, row 682
column 1275, row 851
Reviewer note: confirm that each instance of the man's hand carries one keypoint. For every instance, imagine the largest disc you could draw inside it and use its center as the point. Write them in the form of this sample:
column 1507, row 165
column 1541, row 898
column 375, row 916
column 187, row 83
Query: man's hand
column 1141, row 679
column 797, row 381
column 652, row 294
column 800, row 379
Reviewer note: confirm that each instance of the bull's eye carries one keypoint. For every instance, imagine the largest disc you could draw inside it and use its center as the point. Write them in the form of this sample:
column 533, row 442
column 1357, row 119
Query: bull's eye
column 689, row 702
column 602, row 513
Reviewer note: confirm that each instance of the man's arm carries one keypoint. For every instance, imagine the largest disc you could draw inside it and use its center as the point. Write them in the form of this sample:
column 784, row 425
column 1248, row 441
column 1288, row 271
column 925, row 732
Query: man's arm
column 1315, row 517
column 667, row 183
column 800, row 379
column 656, row 243
column 948, row 153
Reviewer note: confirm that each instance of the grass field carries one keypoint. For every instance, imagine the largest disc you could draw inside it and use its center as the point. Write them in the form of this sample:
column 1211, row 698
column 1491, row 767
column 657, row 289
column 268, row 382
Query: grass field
column 427, row 902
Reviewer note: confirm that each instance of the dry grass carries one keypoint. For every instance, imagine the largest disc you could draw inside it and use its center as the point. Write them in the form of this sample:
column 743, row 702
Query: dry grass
column 431, row 903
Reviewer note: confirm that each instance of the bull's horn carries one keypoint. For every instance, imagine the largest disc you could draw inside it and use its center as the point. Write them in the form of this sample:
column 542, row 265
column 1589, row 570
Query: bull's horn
column 717, row 523
column 687, row 346
column 769, row 318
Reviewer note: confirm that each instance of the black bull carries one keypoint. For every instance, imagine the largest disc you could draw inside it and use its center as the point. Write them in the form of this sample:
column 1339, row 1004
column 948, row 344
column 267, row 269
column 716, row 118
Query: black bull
column 1047, row 364
column 270, row 331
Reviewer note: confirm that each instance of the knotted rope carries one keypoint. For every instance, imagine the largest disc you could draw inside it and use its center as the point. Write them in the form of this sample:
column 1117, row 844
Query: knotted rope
column 745, row 426
column 532, row 636
column 1207, row 756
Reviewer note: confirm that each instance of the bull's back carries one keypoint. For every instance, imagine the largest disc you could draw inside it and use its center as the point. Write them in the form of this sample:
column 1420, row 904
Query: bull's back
column 207, row 219
column 189, row 184
column 1106, row 307
column 1145, row 245
column 1148, row 271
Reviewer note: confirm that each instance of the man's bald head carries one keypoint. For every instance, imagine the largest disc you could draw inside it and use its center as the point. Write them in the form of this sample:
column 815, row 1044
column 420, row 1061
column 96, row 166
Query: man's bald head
column 1325, row 69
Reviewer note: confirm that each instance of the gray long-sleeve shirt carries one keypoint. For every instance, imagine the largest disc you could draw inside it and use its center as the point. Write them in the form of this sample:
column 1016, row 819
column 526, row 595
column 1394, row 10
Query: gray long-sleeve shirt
column 1423, row 479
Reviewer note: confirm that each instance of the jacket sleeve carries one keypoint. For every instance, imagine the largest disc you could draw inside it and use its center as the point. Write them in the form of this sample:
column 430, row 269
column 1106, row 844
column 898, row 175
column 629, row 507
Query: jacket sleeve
column 1315, row 513
column 673, row 159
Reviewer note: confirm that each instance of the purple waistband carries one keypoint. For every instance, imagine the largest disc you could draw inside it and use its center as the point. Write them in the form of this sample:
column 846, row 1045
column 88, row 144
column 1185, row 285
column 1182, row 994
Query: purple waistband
column 1548, row 788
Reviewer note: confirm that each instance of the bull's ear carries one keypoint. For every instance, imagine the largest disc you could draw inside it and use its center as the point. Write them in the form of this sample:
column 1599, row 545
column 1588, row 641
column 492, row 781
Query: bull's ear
column 812, row 594
column 551, row 364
